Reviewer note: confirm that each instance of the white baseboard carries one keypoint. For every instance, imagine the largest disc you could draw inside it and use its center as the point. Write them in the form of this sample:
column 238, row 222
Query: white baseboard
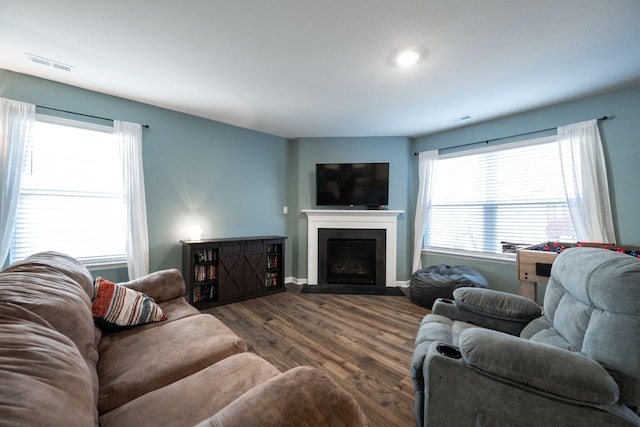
column 303, row 281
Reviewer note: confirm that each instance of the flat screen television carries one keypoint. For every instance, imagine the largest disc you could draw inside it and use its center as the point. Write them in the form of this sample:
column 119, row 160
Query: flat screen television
column 352, row 184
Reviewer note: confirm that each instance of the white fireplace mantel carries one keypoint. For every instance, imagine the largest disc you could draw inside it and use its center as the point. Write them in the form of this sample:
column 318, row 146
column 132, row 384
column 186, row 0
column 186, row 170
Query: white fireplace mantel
column 354, row 219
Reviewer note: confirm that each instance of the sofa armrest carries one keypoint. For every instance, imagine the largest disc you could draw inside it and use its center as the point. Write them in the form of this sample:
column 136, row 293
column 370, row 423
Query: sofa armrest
column 541, row 367
column 163, row 285
column 302, row 396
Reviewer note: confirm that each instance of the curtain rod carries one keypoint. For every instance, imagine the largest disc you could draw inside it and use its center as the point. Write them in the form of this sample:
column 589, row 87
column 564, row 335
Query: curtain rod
column 602, row 119
column 82, row 114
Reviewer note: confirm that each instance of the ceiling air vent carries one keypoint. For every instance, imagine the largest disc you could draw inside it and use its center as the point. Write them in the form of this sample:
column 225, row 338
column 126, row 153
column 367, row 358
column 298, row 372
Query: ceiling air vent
column 50, row 63
column 459, row 119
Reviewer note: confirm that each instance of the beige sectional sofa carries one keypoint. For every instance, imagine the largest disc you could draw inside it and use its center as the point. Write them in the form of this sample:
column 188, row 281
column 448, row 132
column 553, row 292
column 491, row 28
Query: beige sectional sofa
column 58, row 368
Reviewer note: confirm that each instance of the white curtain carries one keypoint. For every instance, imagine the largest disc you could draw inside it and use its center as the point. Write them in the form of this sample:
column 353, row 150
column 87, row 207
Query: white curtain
column 130, row 140
column 585, row 181
column 427, row 166
column 16, row 119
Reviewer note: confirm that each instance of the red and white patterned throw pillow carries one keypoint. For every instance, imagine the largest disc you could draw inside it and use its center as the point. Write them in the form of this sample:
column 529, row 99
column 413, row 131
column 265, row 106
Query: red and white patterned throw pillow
column 121, row 307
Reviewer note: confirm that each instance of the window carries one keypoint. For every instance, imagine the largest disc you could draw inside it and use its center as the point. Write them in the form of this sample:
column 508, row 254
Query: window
column 71, row 194
column 510, row 193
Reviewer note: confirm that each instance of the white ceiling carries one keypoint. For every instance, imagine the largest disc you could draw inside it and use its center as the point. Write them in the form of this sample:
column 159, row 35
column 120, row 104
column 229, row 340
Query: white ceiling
column 302, row 68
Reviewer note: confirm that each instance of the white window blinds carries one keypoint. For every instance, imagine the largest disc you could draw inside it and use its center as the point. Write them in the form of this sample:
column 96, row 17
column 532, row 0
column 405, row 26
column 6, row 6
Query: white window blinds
column 511, row 193
column 71, row 195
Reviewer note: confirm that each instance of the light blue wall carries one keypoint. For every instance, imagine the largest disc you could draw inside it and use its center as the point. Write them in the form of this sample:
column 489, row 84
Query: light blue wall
column 621, row 140
column 234, row 182
column 395, row 150
column 230, row 180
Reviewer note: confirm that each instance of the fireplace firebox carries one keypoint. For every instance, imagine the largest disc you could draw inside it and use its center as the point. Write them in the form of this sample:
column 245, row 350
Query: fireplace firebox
column 352, row 256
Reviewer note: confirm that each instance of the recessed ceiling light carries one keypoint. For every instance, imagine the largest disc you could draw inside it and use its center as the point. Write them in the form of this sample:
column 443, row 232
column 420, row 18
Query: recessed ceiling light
column 407, row 57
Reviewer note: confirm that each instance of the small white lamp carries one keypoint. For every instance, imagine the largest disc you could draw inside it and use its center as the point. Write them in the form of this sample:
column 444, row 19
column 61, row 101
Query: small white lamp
column 195, row 232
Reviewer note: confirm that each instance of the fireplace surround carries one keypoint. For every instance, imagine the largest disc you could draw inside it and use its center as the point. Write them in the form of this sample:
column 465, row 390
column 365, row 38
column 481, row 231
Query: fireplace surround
column 351, row 256
column 352, row 219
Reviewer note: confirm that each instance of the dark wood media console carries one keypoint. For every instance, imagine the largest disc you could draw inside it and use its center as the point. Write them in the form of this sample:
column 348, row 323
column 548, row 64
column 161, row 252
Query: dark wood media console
column 222, row 271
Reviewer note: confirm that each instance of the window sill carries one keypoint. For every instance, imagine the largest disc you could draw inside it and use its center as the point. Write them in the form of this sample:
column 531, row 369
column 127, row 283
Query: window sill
column 104, row 265
column 499, row 258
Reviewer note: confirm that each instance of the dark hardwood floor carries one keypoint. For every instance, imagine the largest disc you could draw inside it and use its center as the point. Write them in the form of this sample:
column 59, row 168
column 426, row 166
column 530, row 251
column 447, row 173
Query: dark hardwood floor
column 364, row 342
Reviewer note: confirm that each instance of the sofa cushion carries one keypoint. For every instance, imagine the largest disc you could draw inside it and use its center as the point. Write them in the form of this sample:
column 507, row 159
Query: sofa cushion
column 120, row 306
column 59, row 300
column 178, row 308
column 132, row 364
column 60, row 263
column 318, row 401
column 174, row 309
column 196, row 397
column 43, row 378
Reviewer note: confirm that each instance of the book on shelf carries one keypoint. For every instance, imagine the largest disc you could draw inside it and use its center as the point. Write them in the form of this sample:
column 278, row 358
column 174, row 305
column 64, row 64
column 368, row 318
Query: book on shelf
column 205, row 255
column 205, row 272
column 272, row 261
column 271, row 280
column 204, row 292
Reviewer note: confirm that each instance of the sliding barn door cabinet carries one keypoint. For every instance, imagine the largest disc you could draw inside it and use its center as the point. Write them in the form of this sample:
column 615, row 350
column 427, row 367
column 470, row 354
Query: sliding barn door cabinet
column 221, row 271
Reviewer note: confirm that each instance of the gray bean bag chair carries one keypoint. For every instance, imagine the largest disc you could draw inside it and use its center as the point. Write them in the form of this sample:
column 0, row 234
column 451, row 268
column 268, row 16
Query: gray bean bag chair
column 439, row 281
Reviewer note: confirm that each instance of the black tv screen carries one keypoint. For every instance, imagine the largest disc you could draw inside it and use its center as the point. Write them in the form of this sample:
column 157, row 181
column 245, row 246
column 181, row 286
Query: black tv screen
column 352, row 184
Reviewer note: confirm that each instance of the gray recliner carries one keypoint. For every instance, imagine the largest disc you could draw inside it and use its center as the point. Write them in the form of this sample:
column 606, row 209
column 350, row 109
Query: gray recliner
column 490, row 358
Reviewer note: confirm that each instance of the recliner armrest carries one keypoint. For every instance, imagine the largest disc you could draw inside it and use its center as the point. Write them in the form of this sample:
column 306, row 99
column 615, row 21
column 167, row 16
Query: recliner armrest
column 497, row 304
column 488, row 308
column 540, row 367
